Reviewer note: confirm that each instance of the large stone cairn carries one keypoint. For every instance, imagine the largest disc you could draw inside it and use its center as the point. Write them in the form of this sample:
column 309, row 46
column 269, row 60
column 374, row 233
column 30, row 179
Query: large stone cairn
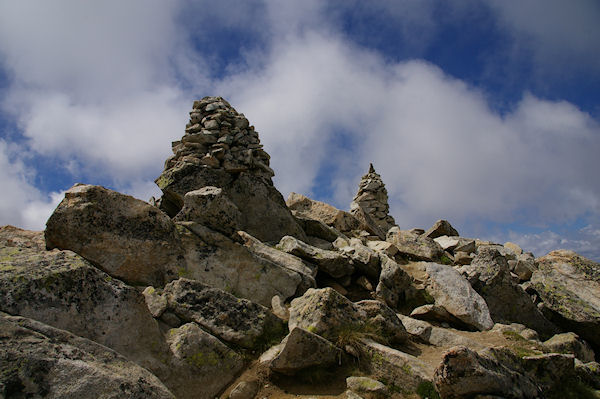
column 221, row 149
column 217, row 136
column 373, row 199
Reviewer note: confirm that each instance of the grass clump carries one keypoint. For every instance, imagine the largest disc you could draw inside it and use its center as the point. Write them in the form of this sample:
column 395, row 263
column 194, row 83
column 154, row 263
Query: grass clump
column 426, row 389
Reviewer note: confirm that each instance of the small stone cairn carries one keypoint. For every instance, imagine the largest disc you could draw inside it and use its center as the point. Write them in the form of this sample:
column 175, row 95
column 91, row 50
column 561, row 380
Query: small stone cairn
column 373, row 199
column 217, row 136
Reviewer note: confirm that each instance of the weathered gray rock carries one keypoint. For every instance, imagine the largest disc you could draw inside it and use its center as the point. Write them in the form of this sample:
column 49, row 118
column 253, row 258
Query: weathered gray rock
column 41, row 361
column 156, row 302
column 220, row 262
column 306, row 270
column 465, row 245
column 447, row 243
column 316, row 228
column 63, row 290
column 462, row 258
column 364, row 259
column 515, row 248
column 333, row 263
column 489, row 275
column 569, row 286
column 384, row 247
column 384, row 320
column 398, row 368
column 331, row 216
column 398, row 289
column 571, row 343
column 279, row 309
column 451, row 291
column 436, row 336
column 518, row 328
column 325, row 312
column 221, row 149
column 232, row 319
column 371, row 203
column 524, row 266
column 245, row 390
column 302, row 349
column 465, row 373
column 588, row 373
column 208, row 363
column 127, row 238
column 210, row 206
column 367, row 387
column 550, row 370
column 352, row 395
column 444, row 287
column 413, row 246
column 441, row 228
column 436, row 313
column 15, row 237
column 367, row 223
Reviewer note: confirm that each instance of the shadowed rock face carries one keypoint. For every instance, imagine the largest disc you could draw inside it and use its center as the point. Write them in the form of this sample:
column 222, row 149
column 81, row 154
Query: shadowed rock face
column 222, row 150
column 569, row 286
column 37, row 360
column 490, row 276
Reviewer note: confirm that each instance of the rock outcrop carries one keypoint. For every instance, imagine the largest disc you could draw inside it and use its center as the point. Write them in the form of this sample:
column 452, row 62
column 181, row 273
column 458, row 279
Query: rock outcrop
column 192, row 295
column 569, row 286
column 126, row 237
column 45, row 362
column 372, row 198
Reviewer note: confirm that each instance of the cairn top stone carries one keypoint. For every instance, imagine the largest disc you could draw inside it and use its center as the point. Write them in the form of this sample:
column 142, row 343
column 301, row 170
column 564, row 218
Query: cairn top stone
column 373, row 199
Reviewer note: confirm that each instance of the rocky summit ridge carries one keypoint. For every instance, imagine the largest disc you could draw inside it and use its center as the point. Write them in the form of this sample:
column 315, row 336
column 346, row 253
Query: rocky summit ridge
column 220, row 288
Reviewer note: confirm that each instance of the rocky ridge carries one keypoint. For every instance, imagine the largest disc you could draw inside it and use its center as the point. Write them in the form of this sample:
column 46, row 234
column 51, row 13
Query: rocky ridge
column 221, row 289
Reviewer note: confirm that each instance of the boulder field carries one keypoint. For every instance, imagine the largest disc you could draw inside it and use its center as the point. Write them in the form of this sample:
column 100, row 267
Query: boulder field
column 222, row 289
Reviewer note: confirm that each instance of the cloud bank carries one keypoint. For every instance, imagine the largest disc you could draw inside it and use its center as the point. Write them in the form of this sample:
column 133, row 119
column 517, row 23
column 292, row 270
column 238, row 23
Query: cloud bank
column 102, row 89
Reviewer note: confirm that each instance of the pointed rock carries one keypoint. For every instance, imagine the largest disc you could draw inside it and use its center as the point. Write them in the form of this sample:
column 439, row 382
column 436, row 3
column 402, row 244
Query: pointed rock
column 372, row 200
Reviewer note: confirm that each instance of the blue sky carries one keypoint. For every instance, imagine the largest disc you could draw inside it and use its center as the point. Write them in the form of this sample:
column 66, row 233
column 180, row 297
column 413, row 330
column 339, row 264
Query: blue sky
column 485, row 113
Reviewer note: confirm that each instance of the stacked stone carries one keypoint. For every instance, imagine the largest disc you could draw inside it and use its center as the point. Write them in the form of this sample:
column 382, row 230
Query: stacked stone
column 373, row 199
column 217, row 136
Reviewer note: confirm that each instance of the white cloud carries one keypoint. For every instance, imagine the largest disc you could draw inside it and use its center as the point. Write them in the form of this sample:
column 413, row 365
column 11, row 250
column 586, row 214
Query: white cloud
column 94, row 87
column 585, row 242
column 22, row 204
column 121, row 140
column 442, row 151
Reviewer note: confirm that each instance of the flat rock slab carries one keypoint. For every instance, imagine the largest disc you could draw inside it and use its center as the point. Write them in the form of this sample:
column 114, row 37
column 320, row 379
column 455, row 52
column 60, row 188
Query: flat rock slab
column 333, row 263
column 331, row 216
column 414, row 246
column 396, row 367
column 235, row 320
column 41, row 361
column 218, row 261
